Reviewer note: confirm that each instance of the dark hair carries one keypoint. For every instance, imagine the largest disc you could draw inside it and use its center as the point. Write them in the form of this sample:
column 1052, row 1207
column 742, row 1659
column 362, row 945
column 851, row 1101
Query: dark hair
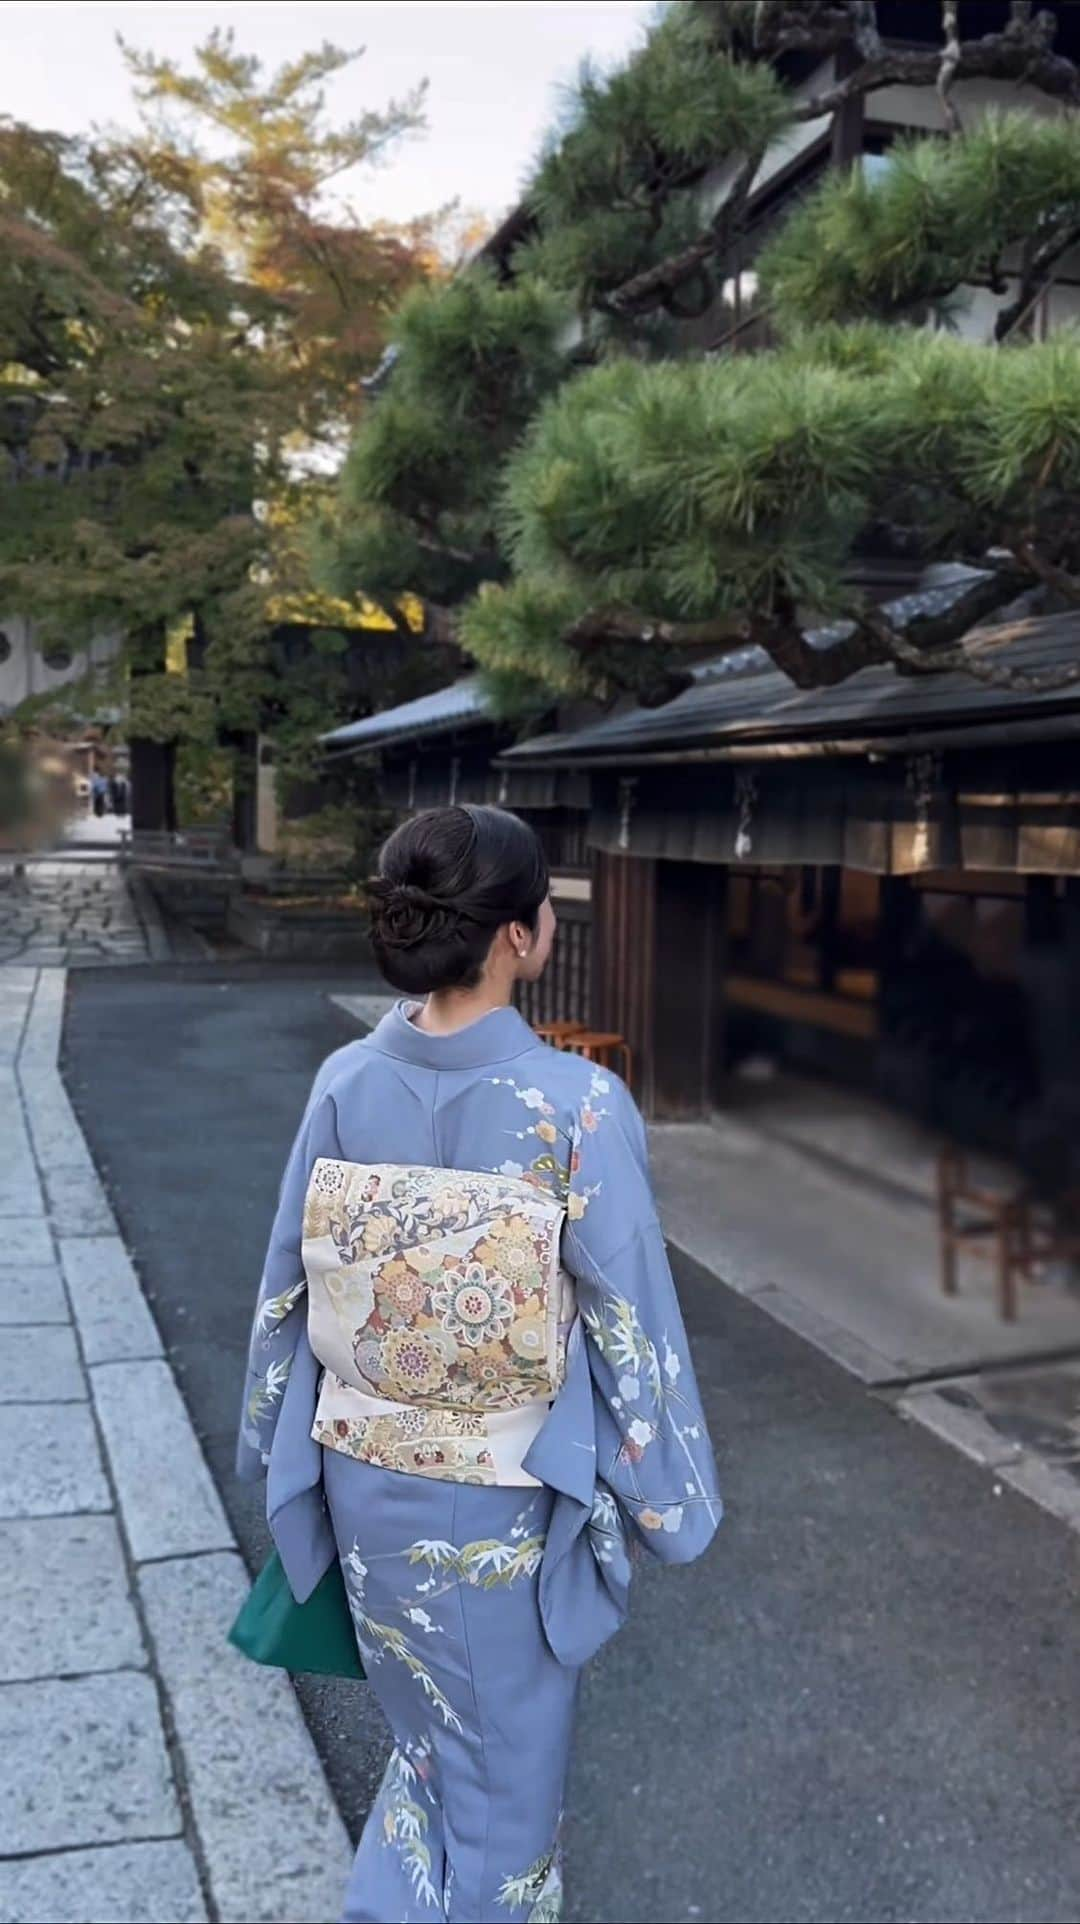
column 448, row 878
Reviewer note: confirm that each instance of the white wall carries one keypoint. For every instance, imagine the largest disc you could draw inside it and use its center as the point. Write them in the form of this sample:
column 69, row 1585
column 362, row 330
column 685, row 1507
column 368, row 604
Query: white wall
column 25, row 672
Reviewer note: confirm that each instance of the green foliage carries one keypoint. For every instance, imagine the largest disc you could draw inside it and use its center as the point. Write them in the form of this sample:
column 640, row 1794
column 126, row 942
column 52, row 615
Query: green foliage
column 180, row 317
column 417, row 498
column 203, row 783
column 475, row 359
column 515, row 634
column 601, row 487
column 697, row 489
column 611, row 191
column 890, row 240
column 691, row 488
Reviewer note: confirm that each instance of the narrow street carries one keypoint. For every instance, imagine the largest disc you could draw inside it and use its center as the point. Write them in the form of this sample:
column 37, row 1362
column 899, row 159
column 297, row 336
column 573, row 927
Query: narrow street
column 862, row 1705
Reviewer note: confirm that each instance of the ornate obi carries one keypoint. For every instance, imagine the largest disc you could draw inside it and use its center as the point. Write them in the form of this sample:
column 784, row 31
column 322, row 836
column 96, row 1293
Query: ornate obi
column 439, row 1310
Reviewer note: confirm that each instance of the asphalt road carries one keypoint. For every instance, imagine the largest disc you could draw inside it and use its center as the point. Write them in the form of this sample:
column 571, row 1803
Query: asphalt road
column 864, row 1704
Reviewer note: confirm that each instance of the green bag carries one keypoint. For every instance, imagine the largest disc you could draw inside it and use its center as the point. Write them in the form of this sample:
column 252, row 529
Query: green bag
column 314, row 1636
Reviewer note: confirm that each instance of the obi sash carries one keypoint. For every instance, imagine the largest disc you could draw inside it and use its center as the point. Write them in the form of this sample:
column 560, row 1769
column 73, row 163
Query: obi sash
column 439, row 1310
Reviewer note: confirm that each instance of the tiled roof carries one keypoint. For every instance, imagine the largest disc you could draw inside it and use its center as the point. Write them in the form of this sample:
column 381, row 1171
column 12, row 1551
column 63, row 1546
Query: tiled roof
column 436, row 714
column 744, row 701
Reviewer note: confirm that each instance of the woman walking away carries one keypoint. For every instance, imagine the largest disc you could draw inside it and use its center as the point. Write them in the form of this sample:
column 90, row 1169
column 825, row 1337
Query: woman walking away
column 469, row 1377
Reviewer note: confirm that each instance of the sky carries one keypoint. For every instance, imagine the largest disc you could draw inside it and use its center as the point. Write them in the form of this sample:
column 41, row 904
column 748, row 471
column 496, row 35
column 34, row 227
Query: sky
column 495, row 69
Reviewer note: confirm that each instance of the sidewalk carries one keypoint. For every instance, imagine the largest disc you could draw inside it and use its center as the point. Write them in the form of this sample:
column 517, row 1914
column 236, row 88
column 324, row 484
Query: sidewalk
column 144, row 1765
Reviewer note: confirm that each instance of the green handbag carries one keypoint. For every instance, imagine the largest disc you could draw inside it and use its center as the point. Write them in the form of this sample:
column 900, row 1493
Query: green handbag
column 314, row 1636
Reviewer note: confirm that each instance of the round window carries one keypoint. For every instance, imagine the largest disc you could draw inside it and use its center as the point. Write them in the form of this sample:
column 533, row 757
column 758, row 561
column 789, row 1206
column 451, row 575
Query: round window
column 5, row 647
column 58, row 660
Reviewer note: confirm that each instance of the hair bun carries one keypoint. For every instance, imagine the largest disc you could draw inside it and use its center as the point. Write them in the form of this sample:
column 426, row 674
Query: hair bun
column 403, row 916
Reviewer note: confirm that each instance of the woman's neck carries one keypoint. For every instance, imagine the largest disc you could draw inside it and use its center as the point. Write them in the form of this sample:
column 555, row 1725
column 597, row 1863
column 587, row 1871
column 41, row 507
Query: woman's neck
column 446, row 1010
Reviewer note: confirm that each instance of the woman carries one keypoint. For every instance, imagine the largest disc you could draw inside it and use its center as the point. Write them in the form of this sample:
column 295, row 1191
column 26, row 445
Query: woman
column 469, row 1377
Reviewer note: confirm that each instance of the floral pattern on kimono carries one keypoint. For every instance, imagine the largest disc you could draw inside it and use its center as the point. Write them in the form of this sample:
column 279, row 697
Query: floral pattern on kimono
column 438, row 1443
column 660, row 1474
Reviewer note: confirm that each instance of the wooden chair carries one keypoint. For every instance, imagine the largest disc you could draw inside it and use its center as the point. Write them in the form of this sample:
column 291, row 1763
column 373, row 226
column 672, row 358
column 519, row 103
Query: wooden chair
column 601, row 1045
column 987, row 1222
column 558, row 1033
column 1058, row 1240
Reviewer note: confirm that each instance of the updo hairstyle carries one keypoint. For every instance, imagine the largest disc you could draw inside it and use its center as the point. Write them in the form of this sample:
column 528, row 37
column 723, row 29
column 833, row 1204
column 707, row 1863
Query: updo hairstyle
column 448, row 878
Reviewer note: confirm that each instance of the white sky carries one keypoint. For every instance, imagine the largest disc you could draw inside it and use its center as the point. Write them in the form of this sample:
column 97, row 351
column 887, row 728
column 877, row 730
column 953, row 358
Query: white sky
column 494, row 66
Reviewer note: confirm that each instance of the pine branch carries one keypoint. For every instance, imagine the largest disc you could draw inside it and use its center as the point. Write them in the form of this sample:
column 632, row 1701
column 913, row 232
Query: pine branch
column 781, row 637
column 922, row 647
column 656, row 285
column 622, row 624
column 963, row 658
column 1037, row 276
column 1059, row 579
column 1022, row 52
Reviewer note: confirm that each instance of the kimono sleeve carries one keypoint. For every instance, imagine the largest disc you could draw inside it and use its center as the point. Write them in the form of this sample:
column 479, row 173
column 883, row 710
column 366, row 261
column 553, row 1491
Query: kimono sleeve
column 281, row 1310
column 654, row 1453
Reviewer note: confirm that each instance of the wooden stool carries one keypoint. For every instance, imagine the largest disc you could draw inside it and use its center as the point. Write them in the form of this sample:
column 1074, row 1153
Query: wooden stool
column 599, row 1045
column 984, row 1221
column 558, row 1033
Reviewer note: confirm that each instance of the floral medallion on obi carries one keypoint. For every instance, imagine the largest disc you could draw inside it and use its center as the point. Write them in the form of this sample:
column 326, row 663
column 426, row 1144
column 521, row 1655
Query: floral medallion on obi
column 433, row 1286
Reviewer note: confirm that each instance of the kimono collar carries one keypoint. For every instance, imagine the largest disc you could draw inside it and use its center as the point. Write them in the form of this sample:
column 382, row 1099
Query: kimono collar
column 497, row 1036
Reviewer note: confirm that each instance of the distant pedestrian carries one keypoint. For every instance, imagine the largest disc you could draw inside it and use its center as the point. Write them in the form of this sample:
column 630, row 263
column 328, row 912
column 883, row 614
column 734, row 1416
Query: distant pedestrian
column 118, row 794
column 467, row 1304
column 99, row 789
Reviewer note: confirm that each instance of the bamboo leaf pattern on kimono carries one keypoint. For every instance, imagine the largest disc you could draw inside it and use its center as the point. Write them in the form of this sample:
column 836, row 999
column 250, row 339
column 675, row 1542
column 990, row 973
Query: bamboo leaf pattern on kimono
column 623, row 1342
column 491, row 1564
column 267, row 1389
column 379, row 1640
column 405, row 1823
column 485, row 1562
column 540, row 1887
column 274, row 1309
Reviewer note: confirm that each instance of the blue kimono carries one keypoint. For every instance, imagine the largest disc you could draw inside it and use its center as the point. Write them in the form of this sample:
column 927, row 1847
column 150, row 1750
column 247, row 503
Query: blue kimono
column 476, row 1605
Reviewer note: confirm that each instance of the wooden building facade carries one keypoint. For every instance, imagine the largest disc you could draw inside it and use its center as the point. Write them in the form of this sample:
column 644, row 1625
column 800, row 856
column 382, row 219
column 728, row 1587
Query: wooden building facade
column 879, row 883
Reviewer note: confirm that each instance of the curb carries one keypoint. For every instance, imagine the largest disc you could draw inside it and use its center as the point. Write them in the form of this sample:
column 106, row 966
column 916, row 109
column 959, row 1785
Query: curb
column 973, row 1433
column 184, row 1569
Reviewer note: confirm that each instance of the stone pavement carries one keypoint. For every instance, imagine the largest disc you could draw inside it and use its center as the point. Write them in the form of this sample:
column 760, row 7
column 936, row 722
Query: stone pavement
column 144, row 1765
column 71, row 913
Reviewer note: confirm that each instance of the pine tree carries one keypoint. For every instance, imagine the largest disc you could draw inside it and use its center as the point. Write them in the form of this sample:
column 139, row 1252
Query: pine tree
column 636, row 506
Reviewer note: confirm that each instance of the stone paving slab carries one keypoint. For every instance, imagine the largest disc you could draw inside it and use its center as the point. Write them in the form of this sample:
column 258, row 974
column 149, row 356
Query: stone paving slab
column 92, row 1763
column 167, row 1496
column 62, row 913
column 19, row 1192
column 77, row 1202
column 242, row 1733
column 65, row 1600
column 112, row 1313
column 51, row 1461
column 32, row 1294
column 40, row 1364
column 54, row 1128
column 44, row 1024
column 26, row 1239
column 119, row 1884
